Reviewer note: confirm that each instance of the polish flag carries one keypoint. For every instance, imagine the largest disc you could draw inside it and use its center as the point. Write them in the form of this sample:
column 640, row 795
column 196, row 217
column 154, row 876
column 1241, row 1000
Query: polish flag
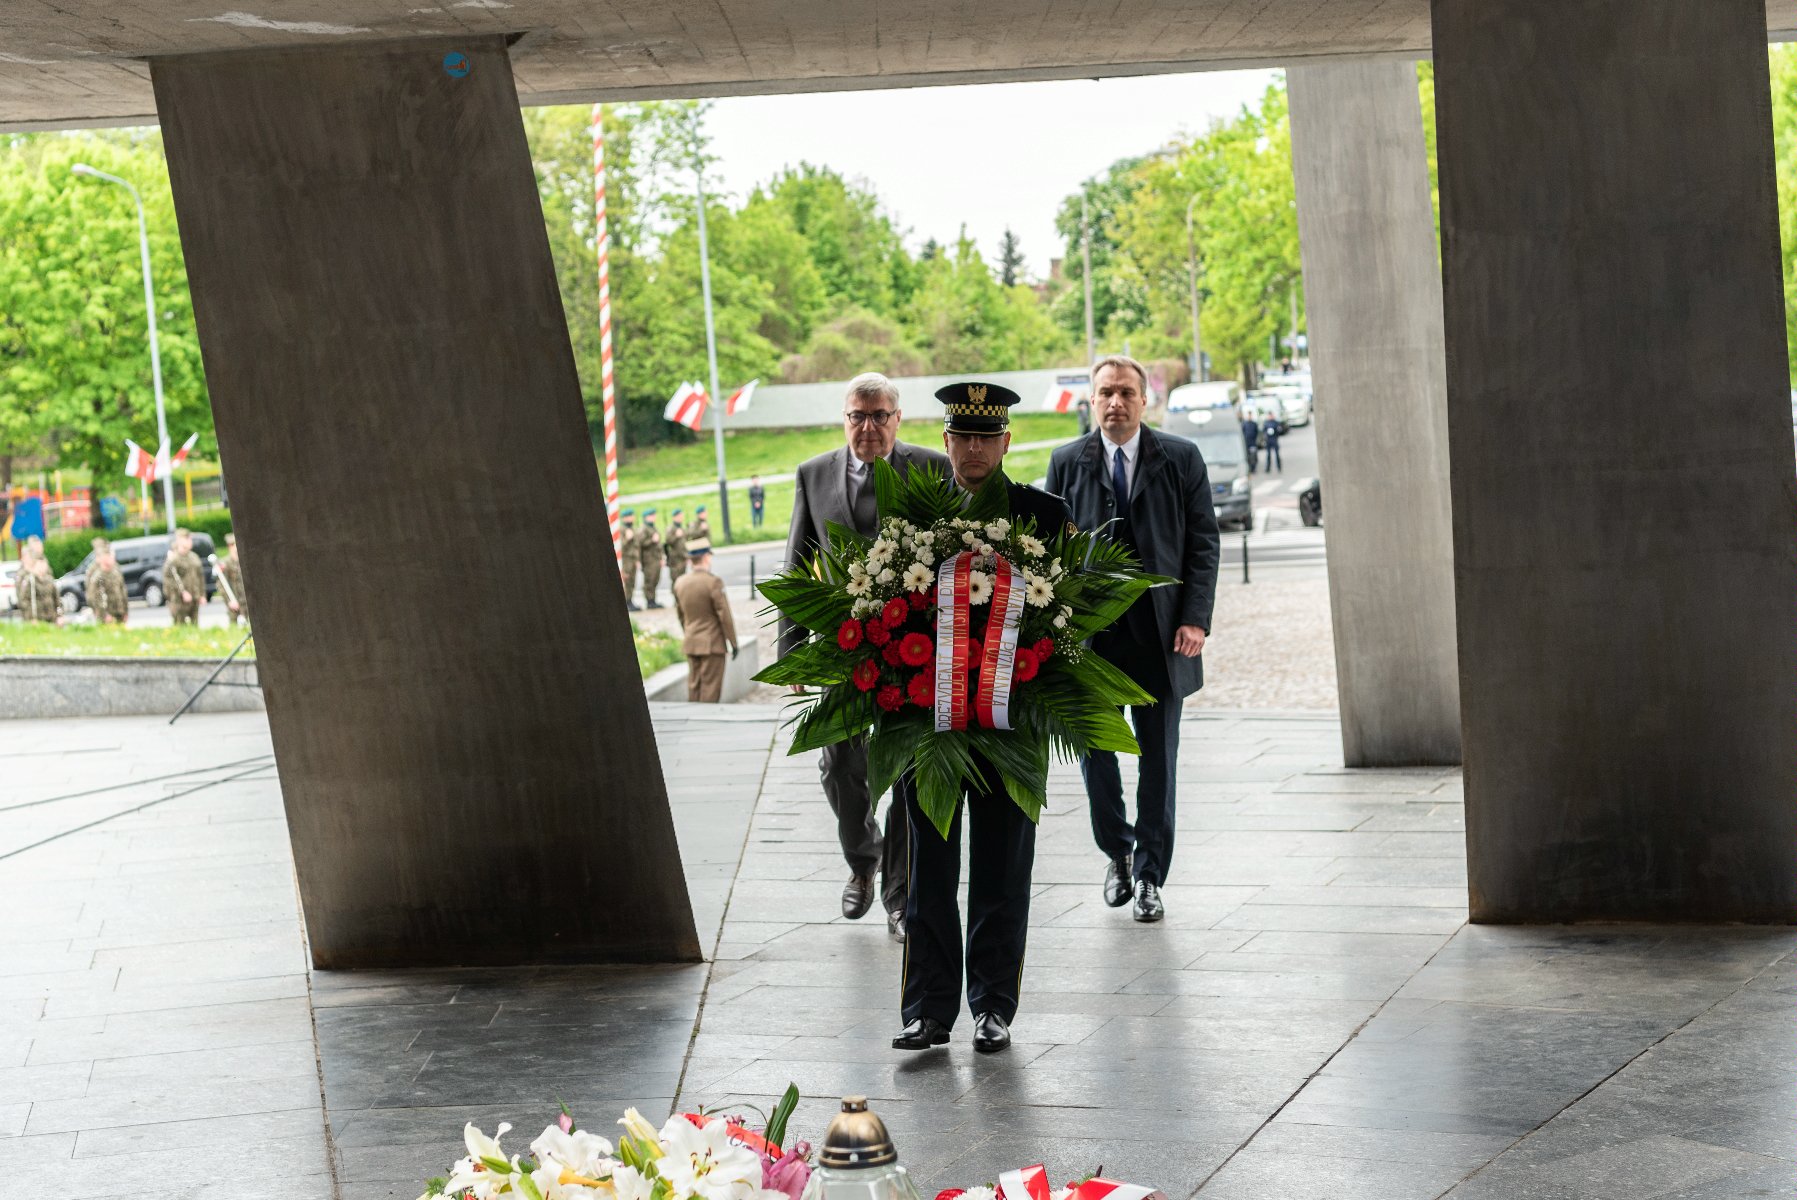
column 181, row 454
column 1059, row 399
column 138, row 463
column 740, row 398
column 687, row 407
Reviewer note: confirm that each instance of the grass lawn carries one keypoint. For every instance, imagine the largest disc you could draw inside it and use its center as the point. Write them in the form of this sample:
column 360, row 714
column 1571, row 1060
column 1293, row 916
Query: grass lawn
column 653, row 650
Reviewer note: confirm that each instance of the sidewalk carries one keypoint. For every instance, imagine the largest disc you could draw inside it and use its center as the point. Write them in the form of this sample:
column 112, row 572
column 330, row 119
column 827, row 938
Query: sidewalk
column 1313, row 1019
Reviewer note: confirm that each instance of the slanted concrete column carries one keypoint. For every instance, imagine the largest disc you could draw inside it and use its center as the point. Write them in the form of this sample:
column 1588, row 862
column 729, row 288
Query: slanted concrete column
column 458, row 719
column 1625, row 524
column 1372, row 284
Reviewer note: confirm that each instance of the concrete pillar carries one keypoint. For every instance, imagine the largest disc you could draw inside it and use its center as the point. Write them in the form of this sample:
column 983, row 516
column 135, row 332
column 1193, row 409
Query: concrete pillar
column 1625, row 520
column 1373, row 286
column 458, row 719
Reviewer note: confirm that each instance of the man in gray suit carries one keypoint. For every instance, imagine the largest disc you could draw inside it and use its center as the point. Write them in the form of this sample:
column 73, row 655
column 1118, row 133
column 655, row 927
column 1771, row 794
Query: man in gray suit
column 839, row 486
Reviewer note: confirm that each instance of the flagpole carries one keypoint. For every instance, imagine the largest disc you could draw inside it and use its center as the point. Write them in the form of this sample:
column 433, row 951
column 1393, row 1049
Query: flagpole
column 143, row 502
column 602, row 246
column 718, row 404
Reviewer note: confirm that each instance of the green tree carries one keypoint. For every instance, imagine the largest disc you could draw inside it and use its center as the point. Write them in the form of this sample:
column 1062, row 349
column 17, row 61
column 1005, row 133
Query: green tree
column 1119, row 305
column 1010, row 259
column 966, row 320
column 1784, row 148
column 854, row 342
column 857, row 251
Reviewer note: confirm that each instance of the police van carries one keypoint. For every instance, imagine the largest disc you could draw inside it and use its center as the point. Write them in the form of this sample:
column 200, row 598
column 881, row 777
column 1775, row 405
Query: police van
column 1209, row 415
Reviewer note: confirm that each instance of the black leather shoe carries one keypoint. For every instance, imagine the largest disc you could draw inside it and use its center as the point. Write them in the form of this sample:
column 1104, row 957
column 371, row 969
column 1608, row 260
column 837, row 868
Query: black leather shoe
column 1117, row 882
column 921, row 1034
column 858, row 896
column 990, row 1033
column 895, row 927
column 1148, row 902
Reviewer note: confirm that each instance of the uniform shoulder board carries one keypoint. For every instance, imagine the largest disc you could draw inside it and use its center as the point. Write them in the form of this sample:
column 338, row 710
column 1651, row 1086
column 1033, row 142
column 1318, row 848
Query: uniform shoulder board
column 1072, row 529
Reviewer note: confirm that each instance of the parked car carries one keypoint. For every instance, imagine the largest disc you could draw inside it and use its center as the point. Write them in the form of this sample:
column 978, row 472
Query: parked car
column 140, row 562
column 1291, row 404
column 1310, row 502
column 1210, row 417
column 9, row 588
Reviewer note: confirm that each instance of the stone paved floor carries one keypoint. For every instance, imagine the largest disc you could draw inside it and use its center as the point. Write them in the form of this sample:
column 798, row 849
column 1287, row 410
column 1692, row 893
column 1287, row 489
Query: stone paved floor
column 1314, row 1019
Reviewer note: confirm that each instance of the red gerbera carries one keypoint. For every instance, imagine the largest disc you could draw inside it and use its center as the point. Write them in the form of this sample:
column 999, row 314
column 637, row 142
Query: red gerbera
column 917, row 599
column 890, row 698
column 877, row 633
column 867, row 673
column 849, row 635
column 895, row 612
column 1044, row 649
column 891, row 653
column 1026, row 666
column 916, row 649
column 922, row 689
column 974, row 650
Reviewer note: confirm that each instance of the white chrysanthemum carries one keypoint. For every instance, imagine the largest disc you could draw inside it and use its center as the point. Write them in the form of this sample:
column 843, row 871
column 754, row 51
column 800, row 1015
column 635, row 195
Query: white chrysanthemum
column 979, row 587
column 918, row 577
column 997, row 530
column 1038, row 591
column 1032, row 546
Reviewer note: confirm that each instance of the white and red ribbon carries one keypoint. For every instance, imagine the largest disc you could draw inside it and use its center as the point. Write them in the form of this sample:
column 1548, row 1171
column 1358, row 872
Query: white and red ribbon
column 991, row 704
column 1031, row 1183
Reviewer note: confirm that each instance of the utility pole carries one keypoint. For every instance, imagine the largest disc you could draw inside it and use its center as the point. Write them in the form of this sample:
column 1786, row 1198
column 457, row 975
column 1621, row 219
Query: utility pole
column 1294, row 297
column 1085, row 225
column 718, row 403
column 1199, row 374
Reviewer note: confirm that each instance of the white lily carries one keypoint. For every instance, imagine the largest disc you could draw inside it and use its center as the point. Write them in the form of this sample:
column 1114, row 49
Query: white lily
column 637, row 1127
column 704, row 1164
column 581, row 1152
column 477, row 1175
column 631, row 1184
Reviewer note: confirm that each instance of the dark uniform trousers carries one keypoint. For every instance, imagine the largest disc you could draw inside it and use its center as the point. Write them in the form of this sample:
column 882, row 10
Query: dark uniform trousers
column 1001, row 853
column 843, row 768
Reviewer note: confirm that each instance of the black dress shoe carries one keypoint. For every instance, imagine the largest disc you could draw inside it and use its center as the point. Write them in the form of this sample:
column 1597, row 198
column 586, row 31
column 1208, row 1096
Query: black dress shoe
column 1117, row 882
column 990, row 1033
column 895, row 926
column 921, row 1034
column 858, row 896
column 1148, row 902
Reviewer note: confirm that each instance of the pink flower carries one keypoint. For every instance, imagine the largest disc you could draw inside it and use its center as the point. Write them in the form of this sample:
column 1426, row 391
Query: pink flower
column 789, row 1175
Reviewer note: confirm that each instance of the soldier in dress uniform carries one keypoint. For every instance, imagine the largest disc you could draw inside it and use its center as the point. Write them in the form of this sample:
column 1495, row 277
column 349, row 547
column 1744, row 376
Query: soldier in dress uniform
column 183, row 580
column 648, row 552
column 706, row 624
column 628, row 557
column 674, row 549
column 1002, row 838
column 105, row 586
column 701, row 527
column 35, row 591
column 230, row 569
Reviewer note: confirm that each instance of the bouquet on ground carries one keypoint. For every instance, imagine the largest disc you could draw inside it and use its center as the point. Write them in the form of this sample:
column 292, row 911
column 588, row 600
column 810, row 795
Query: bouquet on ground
column 693, row 1156
column 950, row 631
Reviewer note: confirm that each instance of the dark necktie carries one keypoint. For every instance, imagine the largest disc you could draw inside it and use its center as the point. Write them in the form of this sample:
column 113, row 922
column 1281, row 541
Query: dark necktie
column 866, row 503
column 1120, row 479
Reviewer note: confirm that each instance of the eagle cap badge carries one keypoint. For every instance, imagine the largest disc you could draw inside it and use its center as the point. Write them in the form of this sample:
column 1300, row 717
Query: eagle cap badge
column 976, row 393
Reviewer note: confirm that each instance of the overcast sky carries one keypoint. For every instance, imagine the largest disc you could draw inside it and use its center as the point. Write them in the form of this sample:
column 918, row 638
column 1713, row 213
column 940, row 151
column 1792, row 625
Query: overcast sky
column 990, row 155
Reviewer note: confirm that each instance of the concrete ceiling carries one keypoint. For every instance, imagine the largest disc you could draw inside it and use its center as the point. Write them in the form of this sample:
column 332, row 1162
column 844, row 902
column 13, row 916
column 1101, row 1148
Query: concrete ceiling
column 67, row 63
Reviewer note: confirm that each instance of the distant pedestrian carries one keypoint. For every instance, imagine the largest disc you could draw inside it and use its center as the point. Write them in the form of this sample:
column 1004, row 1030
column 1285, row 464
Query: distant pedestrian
column 648, row 548
column 183, row 580
column 707, row 625
column 628, row 556
column 230, row 569
column 673, row 547
column 1251, row 436
column 757, row 501
column 105, row 586
column 1270, row 429
column 36, row 592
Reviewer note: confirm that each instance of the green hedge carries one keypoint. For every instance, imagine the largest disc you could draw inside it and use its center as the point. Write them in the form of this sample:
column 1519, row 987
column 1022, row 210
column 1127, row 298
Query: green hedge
column 66, row 550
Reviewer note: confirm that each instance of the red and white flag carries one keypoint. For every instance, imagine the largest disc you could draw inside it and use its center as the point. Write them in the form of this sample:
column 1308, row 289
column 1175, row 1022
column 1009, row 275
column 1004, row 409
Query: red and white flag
column 181, row 454
column 138, row 462
column 687, row 407
column 1059, row 399
column 739, row 399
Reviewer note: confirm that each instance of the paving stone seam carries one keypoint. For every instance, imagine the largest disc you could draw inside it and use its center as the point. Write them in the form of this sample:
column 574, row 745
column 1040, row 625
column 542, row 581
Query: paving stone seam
column 1632, row 1060
column 198, row 787
column 717, row 941
column 324, row 1104
column 131, row 783
column 1324, row 1066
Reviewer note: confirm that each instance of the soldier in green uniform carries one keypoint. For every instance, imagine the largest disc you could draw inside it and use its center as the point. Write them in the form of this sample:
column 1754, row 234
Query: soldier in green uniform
column 183, row 580
column 36, row 592
column 230, row 569
column 674, row 549
column 648, row 548
column 701, row 530
column 627, row 556
column 105, row 587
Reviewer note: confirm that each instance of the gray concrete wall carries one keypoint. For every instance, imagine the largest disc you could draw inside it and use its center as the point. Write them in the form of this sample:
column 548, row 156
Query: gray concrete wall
column 457, row 713
column 1625, row 515
column 1372, row 284
column 34, row 686
column 802, row 405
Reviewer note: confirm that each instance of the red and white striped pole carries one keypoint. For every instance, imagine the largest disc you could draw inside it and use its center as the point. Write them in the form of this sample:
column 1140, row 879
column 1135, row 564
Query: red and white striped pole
column 602, row 244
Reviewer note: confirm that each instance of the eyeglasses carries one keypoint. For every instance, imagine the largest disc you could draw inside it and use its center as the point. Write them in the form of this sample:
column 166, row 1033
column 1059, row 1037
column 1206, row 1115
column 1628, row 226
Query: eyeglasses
column 879, row 417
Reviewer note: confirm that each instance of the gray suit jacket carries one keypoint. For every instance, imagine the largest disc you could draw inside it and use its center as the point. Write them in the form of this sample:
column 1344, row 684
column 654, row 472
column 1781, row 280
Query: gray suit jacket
column 821, row 495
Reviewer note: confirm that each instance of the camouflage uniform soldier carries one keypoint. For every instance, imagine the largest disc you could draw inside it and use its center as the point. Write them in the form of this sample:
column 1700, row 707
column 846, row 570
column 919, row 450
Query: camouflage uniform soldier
column 230, row 569
column 674, row 549
column 36, row 596
column 701, row 528
column 105, row 587
column 628, row 557
column 648, row 548
column 183, row 580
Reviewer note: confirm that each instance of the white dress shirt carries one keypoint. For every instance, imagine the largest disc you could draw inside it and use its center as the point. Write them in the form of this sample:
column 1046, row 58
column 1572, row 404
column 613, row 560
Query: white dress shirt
column 1131, row 452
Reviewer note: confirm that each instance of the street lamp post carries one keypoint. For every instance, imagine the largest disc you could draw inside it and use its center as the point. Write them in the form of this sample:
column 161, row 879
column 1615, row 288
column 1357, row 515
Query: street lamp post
column 1198, row 372
column 143, row 245
column 718, row 403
